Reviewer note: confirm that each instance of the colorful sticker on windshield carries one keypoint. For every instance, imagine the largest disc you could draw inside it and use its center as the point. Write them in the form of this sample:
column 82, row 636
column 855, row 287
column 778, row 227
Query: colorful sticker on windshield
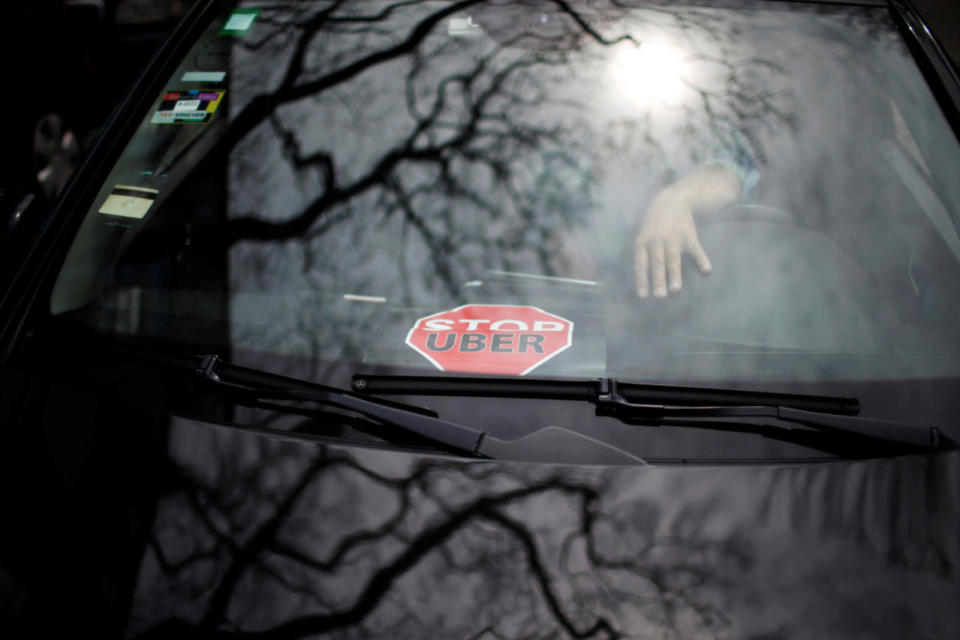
column 195, row 106
column 239, row 22
column 494, row 339
column 128, row 202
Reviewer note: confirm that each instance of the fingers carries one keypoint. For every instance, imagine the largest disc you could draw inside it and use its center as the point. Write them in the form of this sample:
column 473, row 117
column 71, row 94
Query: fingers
column 699, row 255
column 658, row 264
column 641, row 267
column 674, row 266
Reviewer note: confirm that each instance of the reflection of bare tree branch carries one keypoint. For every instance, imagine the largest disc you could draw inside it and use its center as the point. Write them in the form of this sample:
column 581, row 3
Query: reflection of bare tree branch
column 745, row 104
column 171, row 567
column 245, row 555
column 262, row 106
column 319, row 160
column 350, row 542
column 383, row 579
column 456, row 533
column 600, row 626
column 256, row 227
column 588, row 29
column 437, row 247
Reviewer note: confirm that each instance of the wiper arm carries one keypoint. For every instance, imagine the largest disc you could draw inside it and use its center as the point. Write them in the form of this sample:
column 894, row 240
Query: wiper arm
column 553, row 444
column 610, row 402
column 656, row 405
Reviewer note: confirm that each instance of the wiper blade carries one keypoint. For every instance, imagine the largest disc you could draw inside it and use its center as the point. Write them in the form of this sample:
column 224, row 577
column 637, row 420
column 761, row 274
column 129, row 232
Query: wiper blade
column 553, row 444
column 590, row 390
column 662, row 405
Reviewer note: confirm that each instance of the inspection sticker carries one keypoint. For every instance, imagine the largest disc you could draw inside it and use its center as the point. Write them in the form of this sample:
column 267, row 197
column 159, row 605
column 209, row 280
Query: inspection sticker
column 203, row 76
column 239, row 22
column 129, row 202
column 195, row 106
column 496, row 339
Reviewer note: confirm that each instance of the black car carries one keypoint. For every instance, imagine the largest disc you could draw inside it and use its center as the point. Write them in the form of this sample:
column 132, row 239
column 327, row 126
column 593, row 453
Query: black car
column 505, row 319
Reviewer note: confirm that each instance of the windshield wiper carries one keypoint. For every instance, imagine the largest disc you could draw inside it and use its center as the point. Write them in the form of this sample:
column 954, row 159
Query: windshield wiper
column 553, row 444
column 590, row 389
column 663, row 405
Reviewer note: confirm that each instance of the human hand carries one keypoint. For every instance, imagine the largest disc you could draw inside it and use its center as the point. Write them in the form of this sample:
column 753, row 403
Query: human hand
column 667, row 231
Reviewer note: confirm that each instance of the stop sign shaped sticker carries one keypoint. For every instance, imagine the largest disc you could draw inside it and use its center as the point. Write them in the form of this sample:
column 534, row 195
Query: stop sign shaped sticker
column 484, row 338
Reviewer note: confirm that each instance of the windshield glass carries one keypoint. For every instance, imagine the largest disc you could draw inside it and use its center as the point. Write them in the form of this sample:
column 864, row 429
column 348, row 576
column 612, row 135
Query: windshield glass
column 740, row 193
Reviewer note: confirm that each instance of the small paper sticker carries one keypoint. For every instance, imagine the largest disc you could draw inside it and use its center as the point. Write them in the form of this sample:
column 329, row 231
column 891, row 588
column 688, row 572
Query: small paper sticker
column 240, row 21
column 204, row 76
column 463, row 27
column 186, row 105
column 194, row 106
column 128, row 202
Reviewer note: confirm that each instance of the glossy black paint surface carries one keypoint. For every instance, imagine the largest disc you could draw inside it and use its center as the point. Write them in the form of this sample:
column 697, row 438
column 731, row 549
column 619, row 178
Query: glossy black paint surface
column 127, row 522
column 300, row 540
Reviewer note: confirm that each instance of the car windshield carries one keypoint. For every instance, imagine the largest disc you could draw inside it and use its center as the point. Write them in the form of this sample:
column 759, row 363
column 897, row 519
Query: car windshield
column 728, row 193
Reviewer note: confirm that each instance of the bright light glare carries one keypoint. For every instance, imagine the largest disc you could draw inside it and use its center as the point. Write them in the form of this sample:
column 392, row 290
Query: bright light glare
column 650, row 72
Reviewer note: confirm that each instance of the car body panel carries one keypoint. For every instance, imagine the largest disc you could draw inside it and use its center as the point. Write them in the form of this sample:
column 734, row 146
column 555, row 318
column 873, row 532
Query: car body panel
column 284, row 537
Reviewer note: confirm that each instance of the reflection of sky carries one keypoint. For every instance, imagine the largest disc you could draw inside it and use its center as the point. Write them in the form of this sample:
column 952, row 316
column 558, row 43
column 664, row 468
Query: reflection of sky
column 802, row 92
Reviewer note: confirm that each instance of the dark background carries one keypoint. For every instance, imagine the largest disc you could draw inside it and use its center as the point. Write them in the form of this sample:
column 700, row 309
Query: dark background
column 943, row 18
column 73, row 60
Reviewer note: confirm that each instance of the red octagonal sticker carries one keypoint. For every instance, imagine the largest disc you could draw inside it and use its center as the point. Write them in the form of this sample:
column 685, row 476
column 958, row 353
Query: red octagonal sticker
column 486, row 338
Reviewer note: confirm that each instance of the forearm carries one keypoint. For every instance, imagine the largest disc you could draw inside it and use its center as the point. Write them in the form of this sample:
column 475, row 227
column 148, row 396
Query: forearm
column 708, row 188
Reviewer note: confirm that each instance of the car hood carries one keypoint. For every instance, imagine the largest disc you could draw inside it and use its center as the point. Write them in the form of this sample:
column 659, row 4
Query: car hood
column 293, row 538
